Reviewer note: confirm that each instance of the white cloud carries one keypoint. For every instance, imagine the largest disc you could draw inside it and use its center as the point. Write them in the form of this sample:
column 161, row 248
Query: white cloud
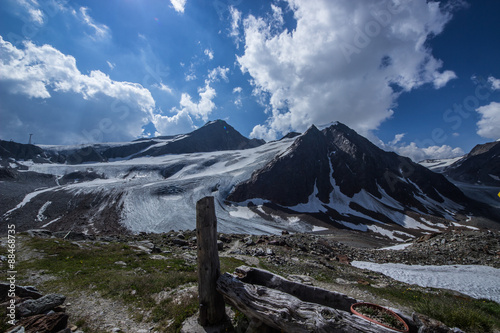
column 218, row 72
column 205, row 105
column 342, row 61
column 45, row 73
column 441, row 79
column 418, row 154
column 489, row 124
column 111, row 65
column 163, row 87
column 238, row 100
column 235, row 25
column 100, row 31
column 495, row 83
column 178, row 5
column 182, row 120
column 177, row 124
column 209, row 53
column 397, row 138
column 32, row 7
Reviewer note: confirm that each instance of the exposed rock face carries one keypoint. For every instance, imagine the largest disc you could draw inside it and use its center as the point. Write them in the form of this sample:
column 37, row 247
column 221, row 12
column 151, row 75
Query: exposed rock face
column 481, row 165
column 19, row 151
column 337, row 162
column 290, row 178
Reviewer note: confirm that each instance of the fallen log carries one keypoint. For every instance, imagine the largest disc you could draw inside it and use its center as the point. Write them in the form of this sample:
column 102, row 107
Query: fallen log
column 301, row 291
column 282, row 311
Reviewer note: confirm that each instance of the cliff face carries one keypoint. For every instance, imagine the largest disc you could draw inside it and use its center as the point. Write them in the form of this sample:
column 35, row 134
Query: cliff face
column 339, row 163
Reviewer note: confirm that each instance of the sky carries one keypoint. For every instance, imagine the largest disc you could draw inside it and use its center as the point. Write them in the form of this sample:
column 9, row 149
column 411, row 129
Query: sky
column 418, row 77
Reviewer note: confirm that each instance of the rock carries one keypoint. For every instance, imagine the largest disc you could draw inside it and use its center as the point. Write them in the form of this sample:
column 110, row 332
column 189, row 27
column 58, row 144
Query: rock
column 121, row 263
column 181, row 236
column 269, row 252
column 259, row 252
column 42, row 233
column 179, row 242
column 17, row 329
column 21, row 292
column 45, row 323
column 249, row 241
column 343, row 259
column 220, row 245
column 66, row 330
column 41, row 305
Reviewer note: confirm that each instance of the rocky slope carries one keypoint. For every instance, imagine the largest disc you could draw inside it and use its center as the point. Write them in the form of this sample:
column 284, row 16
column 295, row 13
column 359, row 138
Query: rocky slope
column 344, row 177
column 321, row 180
column 481, row 165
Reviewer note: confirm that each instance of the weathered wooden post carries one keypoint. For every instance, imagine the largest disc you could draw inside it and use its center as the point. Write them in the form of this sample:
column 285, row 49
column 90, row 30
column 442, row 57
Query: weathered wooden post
column 212, row 308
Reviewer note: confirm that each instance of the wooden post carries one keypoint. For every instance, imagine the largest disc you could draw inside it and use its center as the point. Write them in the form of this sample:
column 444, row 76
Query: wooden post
column 212, row 308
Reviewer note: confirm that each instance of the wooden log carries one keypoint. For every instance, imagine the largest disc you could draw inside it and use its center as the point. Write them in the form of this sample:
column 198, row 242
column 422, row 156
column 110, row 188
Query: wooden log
column 212, row 307
column 301, row 291
column 280, row 310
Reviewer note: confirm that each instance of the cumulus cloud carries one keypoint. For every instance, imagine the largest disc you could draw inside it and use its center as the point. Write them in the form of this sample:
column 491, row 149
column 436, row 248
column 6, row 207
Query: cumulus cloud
column 178, row 5
column 182, row 120
column 489, row 124
column 176, row 124
column 347, row 62
column 413, row 151
column 397, row 138
column 114, row 110
column 418, row 154
column 495, row 83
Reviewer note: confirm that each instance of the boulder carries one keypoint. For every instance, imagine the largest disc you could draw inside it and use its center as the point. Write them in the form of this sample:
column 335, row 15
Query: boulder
column 43, row 304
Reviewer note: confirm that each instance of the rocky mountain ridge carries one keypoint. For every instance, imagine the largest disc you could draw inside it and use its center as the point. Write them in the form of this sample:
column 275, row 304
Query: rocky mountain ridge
column 327, row 179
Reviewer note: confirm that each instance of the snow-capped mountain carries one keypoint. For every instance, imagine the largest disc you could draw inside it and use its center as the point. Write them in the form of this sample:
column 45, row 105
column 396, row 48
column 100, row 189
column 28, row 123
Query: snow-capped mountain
column 477, row 173
column 481, row 165
column 333, row 178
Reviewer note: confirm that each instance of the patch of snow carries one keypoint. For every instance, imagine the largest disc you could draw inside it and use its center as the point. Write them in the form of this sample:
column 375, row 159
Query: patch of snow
column 384, row 232
column 397, row 247
column 27, row 199
column 316, row 228
column 464, row 226
column 411, row 223
column 40, row 217
column 473, row 280
column 242, row 212
column 494, row 177
column 439, row 165
column 49, row 223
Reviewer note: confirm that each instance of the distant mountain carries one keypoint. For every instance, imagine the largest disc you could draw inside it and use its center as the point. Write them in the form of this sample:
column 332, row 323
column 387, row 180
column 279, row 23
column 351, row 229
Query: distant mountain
column 19, row 151
column 214, row 136
column 322, row 179
column 481, row 165
column 347, row 178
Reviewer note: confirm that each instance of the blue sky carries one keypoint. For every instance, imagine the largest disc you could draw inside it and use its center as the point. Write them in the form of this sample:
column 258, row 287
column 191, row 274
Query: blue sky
column 420, row 78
